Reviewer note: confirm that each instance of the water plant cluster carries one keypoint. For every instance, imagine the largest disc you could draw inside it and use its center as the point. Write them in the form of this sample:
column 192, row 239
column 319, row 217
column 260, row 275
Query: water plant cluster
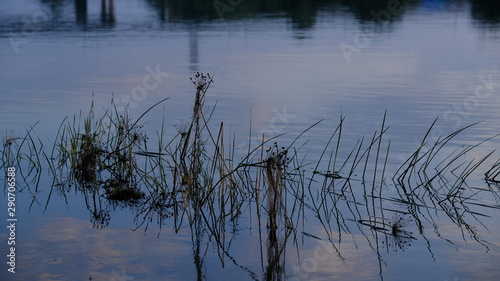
column 195, row 179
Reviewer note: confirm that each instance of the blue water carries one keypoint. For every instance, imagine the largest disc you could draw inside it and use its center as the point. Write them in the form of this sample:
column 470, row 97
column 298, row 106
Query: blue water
column 278, row 67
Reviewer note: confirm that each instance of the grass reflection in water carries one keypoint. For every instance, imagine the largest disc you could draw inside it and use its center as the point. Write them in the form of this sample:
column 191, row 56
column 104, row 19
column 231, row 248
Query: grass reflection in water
column 194, row 180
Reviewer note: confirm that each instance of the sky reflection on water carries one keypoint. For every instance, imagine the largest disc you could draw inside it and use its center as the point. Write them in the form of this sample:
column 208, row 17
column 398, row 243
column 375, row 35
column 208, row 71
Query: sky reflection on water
column 268, row 57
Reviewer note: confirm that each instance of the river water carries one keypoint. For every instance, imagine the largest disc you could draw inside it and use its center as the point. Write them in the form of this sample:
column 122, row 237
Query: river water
column 278, row 67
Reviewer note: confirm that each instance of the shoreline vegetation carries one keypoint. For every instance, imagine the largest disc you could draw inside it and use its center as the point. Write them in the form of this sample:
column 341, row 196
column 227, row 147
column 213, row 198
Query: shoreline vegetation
column 195, row 179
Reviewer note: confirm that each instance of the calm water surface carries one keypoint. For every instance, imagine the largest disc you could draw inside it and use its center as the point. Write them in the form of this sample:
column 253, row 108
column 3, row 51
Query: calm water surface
column 279, row 66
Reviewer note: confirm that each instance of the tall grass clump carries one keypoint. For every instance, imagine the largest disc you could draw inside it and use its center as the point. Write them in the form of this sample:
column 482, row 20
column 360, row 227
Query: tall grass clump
column 195, row 170
column 99, row 152
column 25, row 153
column 190, row 176
column 428, row 169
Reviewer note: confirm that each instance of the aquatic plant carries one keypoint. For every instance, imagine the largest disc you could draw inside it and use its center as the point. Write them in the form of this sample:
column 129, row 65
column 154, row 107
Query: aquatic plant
column 24, row 152
column 190, row 176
